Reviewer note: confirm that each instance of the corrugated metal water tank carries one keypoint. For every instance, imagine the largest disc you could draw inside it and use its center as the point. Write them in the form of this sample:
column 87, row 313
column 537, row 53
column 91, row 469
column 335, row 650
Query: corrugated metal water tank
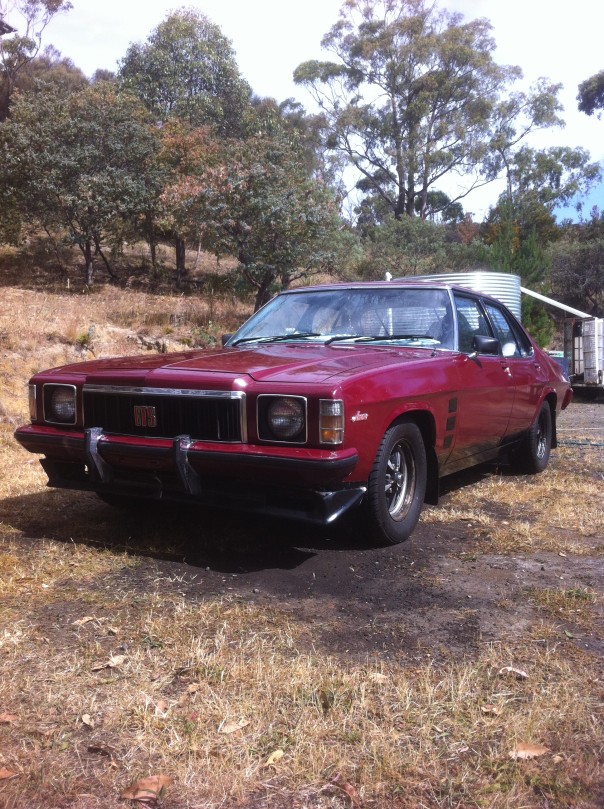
column 503, row 286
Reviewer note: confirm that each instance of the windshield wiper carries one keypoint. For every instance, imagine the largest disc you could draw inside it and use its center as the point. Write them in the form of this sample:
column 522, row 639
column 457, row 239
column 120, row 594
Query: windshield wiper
column 363, row 338
column 277, row 338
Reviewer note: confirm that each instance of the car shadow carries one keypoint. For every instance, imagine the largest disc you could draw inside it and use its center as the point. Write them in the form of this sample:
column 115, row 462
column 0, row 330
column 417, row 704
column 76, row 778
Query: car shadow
column 225, row 541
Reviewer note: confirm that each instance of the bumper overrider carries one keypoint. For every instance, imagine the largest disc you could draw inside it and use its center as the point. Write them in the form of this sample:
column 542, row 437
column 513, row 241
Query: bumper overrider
column 235, row 476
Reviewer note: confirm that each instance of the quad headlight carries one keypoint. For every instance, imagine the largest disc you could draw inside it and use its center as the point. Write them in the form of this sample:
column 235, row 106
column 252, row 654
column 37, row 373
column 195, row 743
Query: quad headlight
column 60, row 404
column 282, row 418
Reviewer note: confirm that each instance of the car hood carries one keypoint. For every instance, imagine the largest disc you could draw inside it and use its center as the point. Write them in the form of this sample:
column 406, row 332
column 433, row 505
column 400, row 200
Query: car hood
column 277, row 363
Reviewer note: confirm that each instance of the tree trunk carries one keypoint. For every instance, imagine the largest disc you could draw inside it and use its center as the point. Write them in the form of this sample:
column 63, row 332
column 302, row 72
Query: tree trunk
column 89, row 262
column 263, row 295
column 181, row 269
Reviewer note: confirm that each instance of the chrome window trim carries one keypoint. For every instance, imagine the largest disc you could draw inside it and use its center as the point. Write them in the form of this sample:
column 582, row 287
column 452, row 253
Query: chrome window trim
column 75, row 398
column 304, row 399
column 192, row 393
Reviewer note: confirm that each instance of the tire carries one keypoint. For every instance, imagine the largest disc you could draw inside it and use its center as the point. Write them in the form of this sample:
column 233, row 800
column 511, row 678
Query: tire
column 397, row 484
column 533, row 456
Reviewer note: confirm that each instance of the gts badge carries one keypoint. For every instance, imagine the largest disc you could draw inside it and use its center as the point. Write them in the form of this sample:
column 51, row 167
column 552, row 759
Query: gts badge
column 144, row 416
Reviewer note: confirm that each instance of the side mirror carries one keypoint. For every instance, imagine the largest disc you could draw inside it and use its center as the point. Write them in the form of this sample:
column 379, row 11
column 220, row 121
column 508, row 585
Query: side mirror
column 225, row 338
column 485, row 345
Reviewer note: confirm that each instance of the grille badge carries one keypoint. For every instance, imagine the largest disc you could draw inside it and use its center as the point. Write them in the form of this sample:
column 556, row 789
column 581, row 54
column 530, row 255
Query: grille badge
column 144, row 416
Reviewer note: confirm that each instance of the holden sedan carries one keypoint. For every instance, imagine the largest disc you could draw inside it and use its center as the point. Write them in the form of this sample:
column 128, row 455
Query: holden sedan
column 329, row 399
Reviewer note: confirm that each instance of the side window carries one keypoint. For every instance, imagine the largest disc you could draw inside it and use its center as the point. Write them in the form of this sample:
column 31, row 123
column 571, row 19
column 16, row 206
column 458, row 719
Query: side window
column 506, row 332
column 470, row 322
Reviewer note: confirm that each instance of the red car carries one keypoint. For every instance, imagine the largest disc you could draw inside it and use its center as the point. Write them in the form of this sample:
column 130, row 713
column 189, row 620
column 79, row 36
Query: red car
column 330, row 398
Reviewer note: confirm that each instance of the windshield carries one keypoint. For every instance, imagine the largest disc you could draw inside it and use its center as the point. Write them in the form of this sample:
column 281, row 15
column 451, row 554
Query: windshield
column 405, row 315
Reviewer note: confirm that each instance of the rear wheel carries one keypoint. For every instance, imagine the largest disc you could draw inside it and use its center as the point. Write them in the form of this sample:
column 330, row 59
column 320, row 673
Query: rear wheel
column 397, row 484
column 534, row 453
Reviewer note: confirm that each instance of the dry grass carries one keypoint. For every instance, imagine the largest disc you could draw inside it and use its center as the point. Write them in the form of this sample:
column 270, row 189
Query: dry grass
column 178, row 671
column 403, row 737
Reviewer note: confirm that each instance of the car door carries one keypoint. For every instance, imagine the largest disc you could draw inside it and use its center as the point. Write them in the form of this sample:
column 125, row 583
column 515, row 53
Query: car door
column 523, row 367
column 486, row 389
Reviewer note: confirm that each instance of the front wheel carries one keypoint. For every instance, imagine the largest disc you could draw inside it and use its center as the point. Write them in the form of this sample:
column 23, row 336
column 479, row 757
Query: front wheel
column 534, row 453
column 397, row 484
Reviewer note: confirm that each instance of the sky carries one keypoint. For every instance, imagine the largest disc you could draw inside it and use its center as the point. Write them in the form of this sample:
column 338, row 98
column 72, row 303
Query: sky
column 553, row 38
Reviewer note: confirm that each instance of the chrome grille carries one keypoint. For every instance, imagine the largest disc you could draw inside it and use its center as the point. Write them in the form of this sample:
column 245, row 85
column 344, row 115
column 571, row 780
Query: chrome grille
column 202, row 415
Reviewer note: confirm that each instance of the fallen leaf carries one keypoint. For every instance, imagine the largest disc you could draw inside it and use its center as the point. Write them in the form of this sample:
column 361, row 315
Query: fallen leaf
column 148, row 790
column 347, row 788
column 112, row 663
column 491, row 710
column 7, row 718
column 513, row 672
column 232, row 727
column 161, row 707
column 522, row 751
column 193, row 688
column 568, row 634
column 82, row 621
column 5, row 774
column 87, row 720
column 112, row 630
column 274, row 757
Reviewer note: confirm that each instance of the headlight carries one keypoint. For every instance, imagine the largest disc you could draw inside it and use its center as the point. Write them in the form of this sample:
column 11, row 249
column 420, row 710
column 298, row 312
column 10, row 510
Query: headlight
column 282, row 418
column 60, row 404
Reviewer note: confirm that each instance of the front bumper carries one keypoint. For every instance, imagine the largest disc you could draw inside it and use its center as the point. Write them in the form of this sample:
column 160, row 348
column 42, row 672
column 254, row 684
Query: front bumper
column 302, row 484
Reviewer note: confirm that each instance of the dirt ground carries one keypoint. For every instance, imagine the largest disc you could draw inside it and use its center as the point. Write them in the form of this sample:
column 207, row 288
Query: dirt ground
column 440, row 595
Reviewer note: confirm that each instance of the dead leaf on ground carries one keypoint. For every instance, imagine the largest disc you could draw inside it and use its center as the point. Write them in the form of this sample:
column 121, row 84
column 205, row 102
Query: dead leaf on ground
column 274, row 757
column 147, row 791
column 491, row 710
column 82, row 621
column 523, row 751
column 6, row 774
column 161, row 707
column 113, row 662
column 232, row 727
column 87, row 720
column 7, row 718
column 339, row 782
column 510, row 671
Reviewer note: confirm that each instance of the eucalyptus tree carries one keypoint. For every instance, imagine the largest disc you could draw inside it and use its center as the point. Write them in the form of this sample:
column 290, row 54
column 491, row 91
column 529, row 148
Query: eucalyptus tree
column 29, row 18
column 254, row 200
column 408, row 97
column 83, row 165
column 591, row 94
column 187, row 70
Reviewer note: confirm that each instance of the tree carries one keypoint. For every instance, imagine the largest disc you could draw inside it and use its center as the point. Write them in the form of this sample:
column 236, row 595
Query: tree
column 187, row 70
column 30, row 17
column 409, row 98
column 591, row 94
column 186, row 155
column 550, row 177
column 578, row 264
column 83, row 164
column 404, row 247
column 48, row 69
column 258, row 203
